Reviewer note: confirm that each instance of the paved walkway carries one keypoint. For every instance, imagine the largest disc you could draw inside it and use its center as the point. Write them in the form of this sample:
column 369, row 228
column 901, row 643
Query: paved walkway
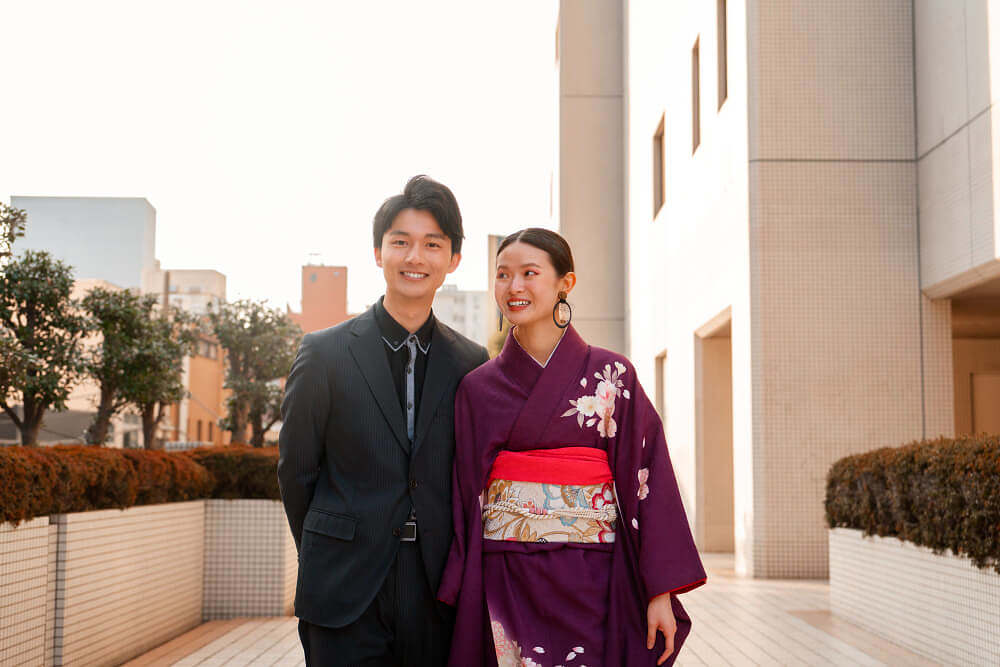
column 736, row 622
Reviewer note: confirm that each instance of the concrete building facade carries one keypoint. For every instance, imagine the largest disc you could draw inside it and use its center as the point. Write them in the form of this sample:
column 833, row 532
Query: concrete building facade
column 324, row 297
column 811, row 245
column 466, row 311
column 109, row 238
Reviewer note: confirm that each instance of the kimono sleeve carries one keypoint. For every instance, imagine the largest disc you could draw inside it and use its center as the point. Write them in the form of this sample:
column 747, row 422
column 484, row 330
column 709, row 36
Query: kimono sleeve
column 463, row 499
column 650, row 502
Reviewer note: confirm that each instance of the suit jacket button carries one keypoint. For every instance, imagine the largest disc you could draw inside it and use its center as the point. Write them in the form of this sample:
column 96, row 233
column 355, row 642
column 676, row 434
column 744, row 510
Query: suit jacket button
column 413, row 483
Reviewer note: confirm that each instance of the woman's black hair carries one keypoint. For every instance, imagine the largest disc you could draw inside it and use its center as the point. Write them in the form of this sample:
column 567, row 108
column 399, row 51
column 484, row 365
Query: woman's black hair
column 422, row 193
column 544, row 239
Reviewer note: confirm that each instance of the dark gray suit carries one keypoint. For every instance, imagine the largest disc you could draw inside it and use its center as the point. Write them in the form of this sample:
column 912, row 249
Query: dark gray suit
column 348, row 472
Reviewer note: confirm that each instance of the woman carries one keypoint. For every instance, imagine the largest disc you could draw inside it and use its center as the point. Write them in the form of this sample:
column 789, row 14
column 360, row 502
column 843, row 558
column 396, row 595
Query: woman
column 571, row 542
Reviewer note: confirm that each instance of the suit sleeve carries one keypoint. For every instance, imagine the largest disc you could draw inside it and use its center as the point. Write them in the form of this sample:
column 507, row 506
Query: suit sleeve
column 305, row 410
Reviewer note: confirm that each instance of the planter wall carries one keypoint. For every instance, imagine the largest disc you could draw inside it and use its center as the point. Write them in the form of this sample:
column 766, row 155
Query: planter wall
column 24, row 581
column 250, row 559
column 940, row 606
column 127, row 581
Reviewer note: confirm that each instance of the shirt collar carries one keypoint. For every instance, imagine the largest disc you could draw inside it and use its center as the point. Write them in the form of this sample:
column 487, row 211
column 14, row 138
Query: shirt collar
column 395, row 334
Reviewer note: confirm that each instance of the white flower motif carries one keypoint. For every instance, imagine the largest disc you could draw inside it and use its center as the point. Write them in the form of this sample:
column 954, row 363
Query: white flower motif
column 635, row 523
column 620, row 367
column 578, row 649
column 587, row 405
column 570, row 656
column 528, row 662
column 607, row 427
column 583, row 382
column 626, row 394
column 538, row 649
column 606, row 394
column 643, row 487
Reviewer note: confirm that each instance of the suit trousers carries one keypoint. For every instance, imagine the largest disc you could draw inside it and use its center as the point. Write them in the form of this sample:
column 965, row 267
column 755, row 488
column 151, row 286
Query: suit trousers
column 404, row 626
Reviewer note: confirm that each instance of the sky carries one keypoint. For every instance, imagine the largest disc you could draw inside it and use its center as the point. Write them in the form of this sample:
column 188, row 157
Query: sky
column 266, row 134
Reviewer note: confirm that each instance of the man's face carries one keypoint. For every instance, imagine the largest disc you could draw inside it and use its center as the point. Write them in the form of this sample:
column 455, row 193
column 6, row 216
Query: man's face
column 415, row 256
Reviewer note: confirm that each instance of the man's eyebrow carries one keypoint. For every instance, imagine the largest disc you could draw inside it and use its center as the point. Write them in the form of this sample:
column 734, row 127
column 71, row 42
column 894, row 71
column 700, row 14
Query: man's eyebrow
column 398, row 232
column 435, row 235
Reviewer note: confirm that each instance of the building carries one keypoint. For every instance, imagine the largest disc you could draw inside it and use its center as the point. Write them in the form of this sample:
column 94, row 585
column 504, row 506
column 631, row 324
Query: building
column 195, row 290
column 324, row 297
column 108, row 238
column 808, row 260
column 466, row 311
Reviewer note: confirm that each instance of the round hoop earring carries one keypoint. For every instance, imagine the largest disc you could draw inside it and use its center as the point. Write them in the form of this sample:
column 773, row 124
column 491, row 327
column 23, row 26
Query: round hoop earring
column 565, row 312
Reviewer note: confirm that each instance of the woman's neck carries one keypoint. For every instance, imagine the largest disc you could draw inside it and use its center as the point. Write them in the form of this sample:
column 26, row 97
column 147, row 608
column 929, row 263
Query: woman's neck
column 538, row 340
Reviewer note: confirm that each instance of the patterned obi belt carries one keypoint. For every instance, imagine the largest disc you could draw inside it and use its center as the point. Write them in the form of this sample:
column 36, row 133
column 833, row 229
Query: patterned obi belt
column 551, row 495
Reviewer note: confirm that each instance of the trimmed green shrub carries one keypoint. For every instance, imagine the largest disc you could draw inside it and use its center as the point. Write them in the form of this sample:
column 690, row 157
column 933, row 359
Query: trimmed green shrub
column 240, row 471
column 942, row 494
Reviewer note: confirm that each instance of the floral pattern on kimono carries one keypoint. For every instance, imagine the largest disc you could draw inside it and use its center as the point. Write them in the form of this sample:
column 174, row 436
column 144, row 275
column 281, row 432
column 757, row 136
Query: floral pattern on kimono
column 540, row 505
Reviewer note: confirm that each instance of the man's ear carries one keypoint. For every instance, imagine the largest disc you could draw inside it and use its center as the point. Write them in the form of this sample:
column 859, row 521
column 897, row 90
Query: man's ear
column 378, row 257
column 455, row 259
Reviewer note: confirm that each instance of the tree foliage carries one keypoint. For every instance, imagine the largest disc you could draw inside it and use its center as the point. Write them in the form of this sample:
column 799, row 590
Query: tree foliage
column 12, row 224
column 260, row 345
column 41, row 331
column 158, row 379
column 122, row 319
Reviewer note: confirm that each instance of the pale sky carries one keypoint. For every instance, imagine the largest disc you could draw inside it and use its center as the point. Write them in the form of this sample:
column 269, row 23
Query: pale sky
column 265, row 131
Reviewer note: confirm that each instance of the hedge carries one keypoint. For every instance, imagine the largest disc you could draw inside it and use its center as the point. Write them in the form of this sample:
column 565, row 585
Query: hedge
column 943, row 494
column 240, row 471
column 39, row 481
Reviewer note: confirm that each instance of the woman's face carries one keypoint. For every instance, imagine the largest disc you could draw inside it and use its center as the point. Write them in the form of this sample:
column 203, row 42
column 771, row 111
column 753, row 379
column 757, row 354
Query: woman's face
column 527, row 286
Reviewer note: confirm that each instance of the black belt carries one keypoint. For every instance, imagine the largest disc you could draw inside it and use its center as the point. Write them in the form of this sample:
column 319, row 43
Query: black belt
column 408, row 533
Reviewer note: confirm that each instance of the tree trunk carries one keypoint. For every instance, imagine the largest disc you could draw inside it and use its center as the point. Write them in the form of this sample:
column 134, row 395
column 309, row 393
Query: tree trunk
column 239, row 418
column 32, row 421
column 97, row 432
column 149, row 422
column 257, row 430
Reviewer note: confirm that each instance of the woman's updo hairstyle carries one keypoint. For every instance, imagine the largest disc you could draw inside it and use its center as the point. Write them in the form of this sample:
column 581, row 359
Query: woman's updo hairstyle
column 544, row 239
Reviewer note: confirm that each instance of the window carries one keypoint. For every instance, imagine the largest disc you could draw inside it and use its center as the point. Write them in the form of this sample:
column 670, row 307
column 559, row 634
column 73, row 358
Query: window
column 695, row 99
column 211, row 436
column 720, row 11
column 658, row 175
column 198, row 429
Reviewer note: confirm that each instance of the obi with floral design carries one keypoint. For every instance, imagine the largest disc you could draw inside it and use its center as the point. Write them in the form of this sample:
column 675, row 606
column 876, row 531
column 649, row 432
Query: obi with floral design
column 551, row 495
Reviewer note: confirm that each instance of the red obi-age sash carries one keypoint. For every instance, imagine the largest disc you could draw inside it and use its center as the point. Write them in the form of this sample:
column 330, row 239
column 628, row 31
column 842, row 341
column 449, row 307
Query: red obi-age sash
column 551, row 495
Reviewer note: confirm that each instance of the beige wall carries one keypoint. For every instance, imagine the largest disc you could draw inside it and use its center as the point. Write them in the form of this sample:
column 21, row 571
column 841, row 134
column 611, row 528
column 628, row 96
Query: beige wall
column 898, row 590
column 139, row 570
column 23, row 579
column 589, row 179
column 958, row 72
column 977, row 362
column 689, row 263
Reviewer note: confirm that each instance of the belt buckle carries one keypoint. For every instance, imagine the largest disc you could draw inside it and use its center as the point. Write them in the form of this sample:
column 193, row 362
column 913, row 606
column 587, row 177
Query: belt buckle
column 408, row 532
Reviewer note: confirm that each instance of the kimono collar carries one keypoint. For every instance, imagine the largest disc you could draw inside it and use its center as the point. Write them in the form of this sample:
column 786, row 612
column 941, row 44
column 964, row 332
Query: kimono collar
column 525, row 370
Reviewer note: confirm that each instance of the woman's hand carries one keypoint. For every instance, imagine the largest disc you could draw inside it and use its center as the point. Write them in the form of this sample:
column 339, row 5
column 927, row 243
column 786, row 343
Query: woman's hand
column 660, row 616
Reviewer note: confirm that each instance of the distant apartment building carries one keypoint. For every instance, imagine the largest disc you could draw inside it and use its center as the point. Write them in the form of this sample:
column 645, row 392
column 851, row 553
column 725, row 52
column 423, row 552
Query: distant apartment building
column 324, row 297
column 465, row 311
column 195, row 290
column 108, row 238
column 788, row 215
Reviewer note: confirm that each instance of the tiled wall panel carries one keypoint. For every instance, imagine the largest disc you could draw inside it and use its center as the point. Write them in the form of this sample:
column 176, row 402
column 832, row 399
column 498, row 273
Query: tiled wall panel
column 250, row 559
column 23, row 574
column 940, row 606
column 127, row 580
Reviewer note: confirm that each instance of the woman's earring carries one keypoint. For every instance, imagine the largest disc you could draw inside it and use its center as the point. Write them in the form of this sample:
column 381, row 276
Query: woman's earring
column 565, row 312
column 500, row 325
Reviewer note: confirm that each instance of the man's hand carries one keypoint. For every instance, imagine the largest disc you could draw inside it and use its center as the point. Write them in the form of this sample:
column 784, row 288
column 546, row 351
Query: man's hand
column 660, row 616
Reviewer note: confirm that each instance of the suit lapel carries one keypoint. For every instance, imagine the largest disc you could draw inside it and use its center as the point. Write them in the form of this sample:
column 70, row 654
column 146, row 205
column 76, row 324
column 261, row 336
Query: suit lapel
column 368, row 351
column 441, row 373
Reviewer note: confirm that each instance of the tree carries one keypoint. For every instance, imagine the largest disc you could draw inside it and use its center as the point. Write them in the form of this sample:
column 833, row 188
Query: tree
column 12, row 223
column 42, row 331
column 123, row 319
column 159, row 363
column 260, row 345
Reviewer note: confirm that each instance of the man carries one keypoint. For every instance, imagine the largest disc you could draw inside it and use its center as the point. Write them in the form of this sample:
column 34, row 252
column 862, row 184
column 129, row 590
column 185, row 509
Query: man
column 366, row 451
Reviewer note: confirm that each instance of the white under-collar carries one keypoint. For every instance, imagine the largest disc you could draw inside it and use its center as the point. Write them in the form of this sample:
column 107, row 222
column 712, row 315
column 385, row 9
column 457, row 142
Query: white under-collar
column 531, row 357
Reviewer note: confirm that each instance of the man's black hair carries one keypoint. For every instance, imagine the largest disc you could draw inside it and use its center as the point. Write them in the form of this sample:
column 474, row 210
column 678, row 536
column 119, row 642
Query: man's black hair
column 422, row 193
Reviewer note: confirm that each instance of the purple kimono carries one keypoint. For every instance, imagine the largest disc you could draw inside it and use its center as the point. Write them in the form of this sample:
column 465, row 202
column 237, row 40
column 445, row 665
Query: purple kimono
column 525, row 599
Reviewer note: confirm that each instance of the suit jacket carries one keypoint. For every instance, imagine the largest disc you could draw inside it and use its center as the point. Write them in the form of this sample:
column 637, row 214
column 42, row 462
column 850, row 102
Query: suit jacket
column 348, row 471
